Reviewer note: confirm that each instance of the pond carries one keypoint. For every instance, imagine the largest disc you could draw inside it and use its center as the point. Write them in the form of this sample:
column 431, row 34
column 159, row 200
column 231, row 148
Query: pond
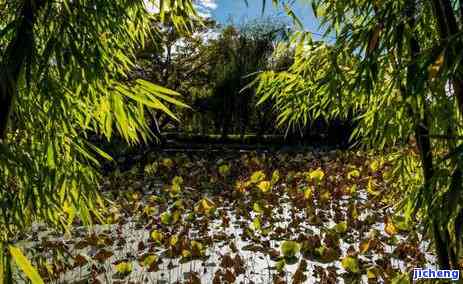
column 268, row 217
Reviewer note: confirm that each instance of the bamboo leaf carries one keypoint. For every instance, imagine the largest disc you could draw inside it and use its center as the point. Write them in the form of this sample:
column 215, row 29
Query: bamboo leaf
column 25, row 265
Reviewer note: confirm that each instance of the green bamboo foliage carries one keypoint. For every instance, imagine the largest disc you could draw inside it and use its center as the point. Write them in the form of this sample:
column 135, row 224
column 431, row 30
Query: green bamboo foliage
column 66, row 74
column 395, row 67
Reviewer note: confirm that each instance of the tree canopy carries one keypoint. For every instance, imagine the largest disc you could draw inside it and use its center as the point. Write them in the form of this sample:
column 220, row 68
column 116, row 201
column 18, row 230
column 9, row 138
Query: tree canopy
column 397, row 66
column 65, row 76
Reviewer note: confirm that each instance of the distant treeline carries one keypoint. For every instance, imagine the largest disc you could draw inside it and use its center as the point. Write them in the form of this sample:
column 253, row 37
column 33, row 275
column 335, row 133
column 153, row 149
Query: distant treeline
column 214, row 70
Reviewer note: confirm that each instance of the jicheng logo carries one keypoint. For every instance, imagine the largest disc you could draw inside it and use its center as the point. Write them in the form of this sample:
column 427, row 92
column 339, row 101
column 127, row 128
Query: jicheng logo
column 430, row 273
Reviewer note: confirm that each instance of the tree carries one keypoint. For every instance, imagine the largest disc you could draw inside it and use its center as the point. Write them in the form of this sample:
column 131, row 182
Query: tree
column 212, row 64
column 175, row 59
column 236, row 56
column 396, row 66
column 65, row 75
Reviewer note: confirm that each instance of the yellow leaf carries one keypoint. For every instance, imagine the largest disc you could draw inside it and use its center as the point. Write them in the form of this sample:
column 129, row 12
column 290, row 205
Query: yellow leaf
column 434, row 69
column 241, row 186
column 25, row 265
column 387, row 175
column 317, row 175
column 207, row 205
column 390, row 228
column 224, row 170
column 372, row 273
column 166, row 218
column 256, row 208
column 175, row 190
column 168, row 163
column 173, row 240
column 186, row 253
column 177, row 180
column 353, row 211
column 370, row 188
column 353, row 174
column 275, row 176
column 257, row 177
column 196, row 245
column 157, row 236
column 149, row 260
column 341, row 227
column 308, row 192
column 124, row 267
column 350, row 264
column 264, row 186
column 364, row 246
column 374, row 166
column 255, row 225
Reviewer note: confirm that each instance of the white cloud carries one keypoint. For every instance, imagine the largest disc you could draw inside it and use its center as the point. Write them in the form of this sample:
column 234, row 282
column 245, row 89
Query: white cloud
column 204, row 7
column 209, row 4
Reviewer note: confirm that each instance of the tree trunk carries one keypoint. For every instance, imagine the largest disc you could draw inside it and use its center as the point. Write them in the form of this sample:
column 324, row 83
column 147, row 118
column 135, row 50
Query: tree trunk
column 17, row 52
column 448, row 27
column 424, row 143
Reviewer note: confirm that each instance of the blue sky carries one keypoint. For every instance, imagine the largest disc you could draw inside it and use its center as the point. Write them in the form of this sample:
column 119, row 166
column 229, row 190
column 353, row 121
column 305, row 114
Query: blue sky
column 224, row 10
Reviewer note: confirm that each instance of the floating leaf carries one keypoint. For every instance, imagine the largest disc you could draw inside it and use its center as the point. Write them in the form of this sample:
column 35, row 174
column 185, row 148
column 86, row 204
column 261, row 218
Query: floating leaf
column 364, row 246
column 390, row 227
column 124, row 267
column 280, row 265
column 341, row 227
column 327, row 254
column 197, row 249
column 255, row 225
column 316, row 175
column 224, row 170
column 325, row 196
column 353, row 174
column 186, row 253
column 102, row 255
column 177, row 180
column 257, row 208
column 264, row 186
column 173, row 240
column 374, row 166
column 168, row 163
column 275, row 176
column 166, row 218
column 175, row 190
column 289, row 249
column 350, row 264
column 308, row 192
column 351, row 190
column 205, row 205
column 401, row 223
column 157, row 236
column 176, row 216
column 371, row 188
column 372, row 273
column 257, row 177
column 148, row 260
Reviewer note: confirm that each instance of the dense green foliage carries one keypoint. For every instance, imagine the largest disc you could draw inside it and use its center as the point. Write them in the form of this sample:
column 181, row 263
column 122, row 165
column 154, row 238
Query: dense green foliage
column 64, row 77
column 396, row 65
column 212, row 66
